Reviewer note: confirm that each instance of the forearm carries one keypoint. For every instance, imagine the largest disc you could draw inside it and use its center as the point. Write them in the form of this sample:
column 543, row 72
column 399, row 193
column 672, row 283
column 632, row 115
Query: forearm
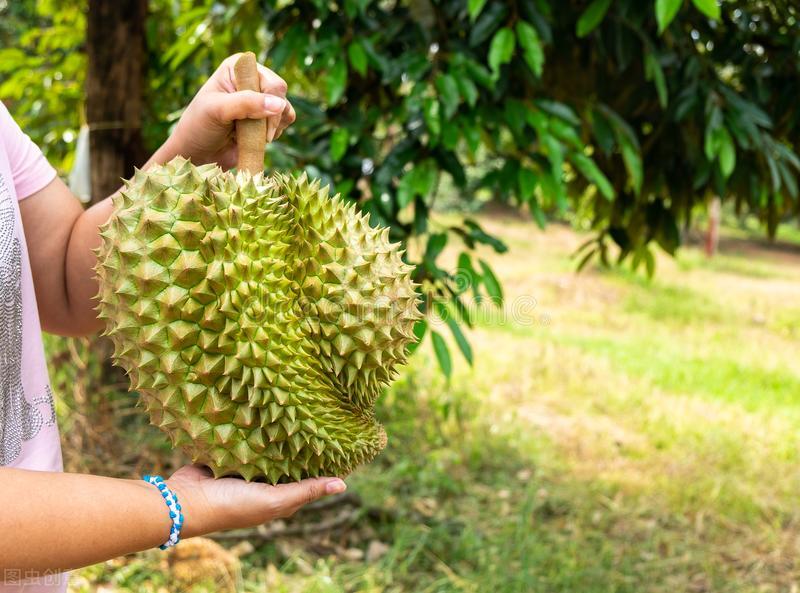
column 54, row 521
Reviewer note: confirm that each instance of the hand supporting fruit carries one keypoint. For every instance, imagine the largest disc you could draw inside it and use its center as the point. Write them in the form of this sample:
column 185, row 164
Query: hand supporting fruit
column 231, row 503
column 72, row 520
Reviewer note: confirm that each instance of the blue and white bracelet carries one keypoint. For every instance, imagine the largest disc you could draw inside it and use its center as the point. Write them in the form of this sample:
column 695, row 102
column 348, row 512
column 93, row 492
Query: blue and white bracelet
column 173, row 506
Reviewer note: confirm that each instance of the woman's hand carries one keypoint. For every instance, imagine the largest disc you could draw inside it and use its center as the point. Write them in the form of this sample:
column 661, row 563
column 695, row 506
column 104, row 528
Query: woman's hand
column 230, row 503
column 60, row 521
column 205, row 132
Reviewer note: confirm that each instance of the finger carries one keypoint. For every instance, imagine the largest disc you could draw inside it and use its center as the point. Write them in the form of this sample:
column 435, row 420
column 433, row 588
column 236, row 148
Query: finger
column 290, row 497
column 227, row 107
column 225, row 74
column 276, row 125
column 271, row 82
column 194, row 471
column 287, row 118
column 273, row 124
column 229, row 157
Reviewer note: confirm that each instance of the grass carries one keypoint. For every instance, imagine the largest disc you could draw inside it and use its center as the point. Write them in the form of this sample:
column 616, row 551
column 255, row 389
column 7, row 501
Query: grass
column 614, row 435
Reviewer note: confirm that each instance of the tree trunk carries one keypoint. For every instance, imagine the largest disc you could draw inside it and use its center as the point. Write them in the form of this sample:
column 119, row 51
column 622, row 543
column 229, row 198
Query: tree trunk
column 116, row 52
column 115, row 47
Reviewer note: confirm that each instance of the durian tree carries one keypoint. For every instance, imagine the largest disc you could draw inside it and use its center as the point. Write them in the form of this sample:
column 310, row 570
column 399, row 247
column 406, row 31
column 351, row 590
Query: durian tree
column 630, row 114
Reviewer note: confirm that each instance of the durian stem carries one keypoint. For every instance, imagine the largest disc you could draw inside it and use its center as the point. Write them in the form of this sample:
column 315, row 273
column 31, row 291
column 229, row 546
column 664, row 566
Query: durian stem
column 251, row 134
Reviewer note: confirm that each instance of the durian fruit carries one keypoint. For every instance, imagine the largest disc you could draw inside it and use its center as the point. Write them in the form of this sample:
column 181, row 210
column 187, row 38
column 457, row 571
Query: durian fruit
column 257, row 318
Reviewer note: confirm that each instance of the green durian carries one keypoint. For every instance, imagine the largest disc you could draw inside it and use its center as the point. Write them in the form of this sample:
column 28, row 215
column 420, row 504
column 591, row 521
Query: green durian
column 257, row 317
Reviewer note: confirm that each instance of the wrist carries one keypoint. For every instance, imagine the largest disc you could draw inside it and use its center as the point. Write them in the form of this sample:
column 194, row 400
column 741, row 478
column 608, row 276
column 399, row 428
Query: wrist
column 174, row 509
column 199, row 517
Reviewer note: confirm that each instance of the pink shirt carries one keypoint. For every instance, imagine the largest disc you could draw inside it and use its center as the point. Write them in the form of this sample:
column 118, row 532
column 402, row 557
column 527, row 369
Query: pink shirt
column 28, row 433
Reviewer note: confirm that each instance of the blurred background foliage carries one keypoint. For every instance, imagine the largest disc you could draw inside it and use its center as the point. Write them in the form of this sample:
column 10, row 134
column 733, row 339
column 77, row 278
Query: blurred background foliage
column 628, row 115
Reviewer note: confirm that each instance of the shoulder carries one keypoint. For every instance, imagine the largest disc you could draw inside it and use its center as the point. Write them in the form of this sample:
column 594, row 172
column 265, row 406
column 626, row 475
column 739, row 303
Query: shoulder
column 29, row 168
column 8, row 127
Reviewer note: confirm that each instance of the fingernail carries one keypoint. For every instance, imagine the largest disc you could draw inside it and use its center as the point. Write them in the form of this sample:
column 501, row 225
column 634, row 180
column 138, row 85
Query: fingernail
column 335, row 487
column 274, row 104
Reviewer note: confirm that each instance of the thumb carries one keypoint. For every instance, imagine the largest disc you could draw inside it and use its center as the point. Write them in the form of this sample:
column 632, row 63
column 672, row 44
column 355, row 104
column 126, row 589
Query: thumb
column 296, row 494
column 227, row 107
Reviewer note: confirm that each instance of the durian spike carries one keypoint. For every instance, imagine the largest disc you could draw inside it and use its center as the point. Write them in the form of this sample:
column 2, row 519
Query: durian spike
column 251, row 134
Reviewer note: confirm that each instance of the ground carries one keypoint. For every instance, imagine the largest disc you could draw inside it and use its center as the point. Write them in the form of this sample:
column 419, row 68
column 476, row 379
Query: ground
column 614, row 435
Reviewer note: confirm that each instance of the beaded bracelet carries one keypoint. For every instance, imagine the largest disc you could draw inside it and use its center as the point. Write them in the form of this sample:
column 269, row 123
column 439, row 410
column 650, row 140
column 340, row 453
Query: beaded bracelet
column 173, row 506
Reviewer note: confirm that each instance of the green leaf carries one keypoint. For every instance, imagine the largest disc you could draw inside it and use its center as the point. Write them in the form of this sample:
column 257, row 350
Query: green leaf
column 442, row 353
column 419, row 181
column 726, row 151
column 450, row 134
column 668, row 235
column 378, row 60
column 553, row 189
column 628, row 144
column 424, row 177
column 462, row 310
column 472, row 135
column 448, row 94
column 515, row 114
column 474, row 8
column 592, row 17
column 420, row 327
column 444, row 313
column 528, row 180
column 467, row 89
column 566, row 132
column 467, row 278
column 405, row 192
column 593, row 173
column 649, row 262
column 654, row 73
column 633, row 164
column 487, row 23
column 358, row 58
column 789, row 179
column 501, row 50
column 555, row 153
column 480, row 74
column 561, row 110
column 602, row 132
column 490, row 282
column 336, row 82
column 436, row 243
column 622, row 129
column 536, row 213
column 775, row 175
column 710, row 8
column 532, row 47
column 711, row 138
column 432, row 117
column 477, row 234
column 339, row 142
column 665, row 12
